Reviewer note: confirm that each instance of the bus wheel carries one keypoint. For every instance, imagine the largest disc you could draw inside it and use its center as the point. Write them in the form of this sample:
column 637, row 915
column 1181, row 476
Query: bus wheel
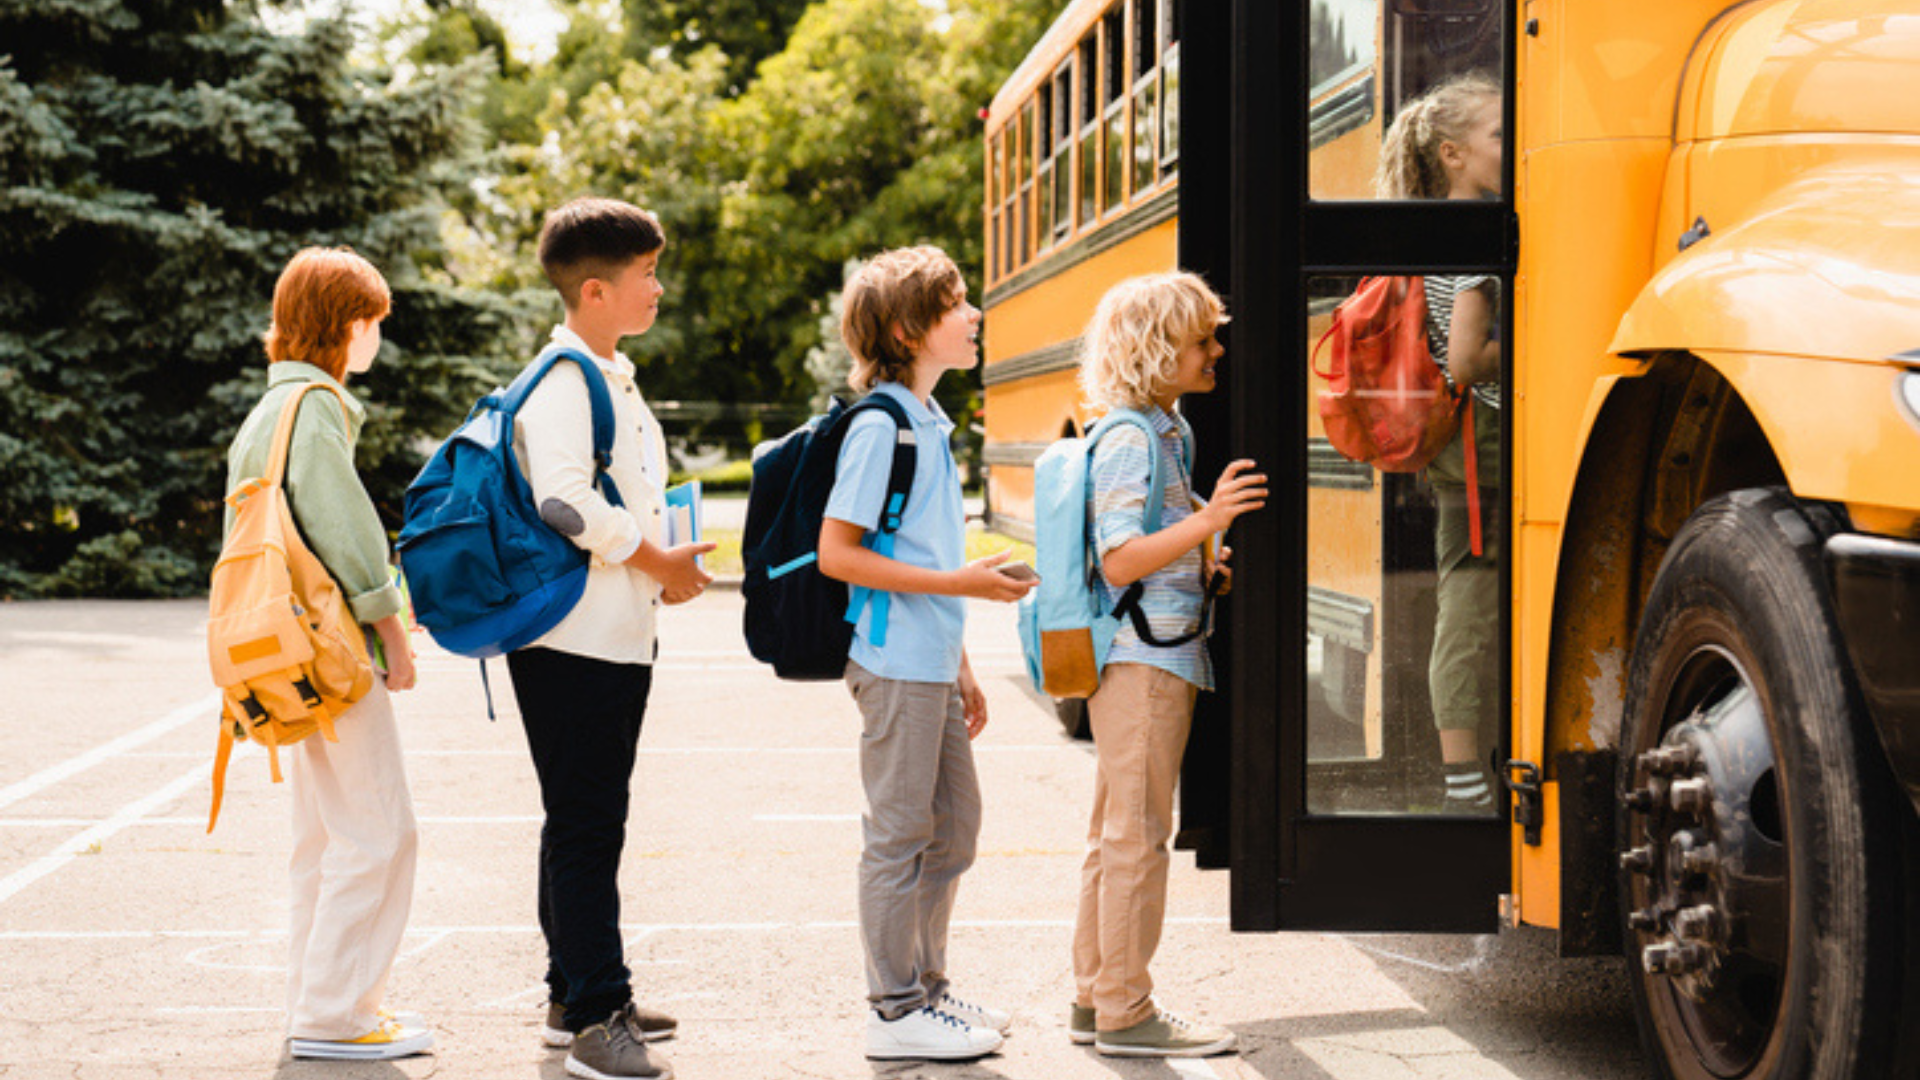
column 1757, row 877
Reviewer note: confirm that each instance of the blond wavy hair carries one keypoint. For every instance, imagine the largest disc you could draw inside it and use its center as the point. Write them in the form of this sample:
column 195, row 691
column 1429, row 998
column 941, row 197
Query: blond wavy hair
column 1410, row 166
column 1130, row 352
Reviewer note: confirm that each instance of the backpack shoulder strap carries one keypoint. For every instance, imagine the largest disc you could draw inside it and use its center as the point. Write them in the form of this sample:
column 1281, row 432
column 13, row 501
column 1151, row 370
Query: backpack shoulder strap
column 1156, row 483
column 599, row 405
column 283, row 430
column 906, row 451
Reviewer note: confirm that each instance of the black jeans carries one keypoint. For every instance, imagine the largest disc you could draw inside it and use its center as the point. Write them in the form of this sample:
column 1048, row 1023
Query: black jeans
column 583, row 723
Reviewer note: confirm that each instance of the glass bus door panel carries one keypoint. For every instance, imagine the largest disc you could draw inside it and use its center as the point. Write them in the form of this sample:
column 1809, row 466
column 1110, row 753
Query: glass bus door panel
column 1368, row 58
column 1375, row 665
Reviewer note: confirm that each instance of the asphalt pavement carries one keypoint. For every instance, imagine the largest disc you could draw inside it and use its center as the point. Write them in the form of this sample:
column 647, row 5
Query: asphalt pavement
column 135, row 945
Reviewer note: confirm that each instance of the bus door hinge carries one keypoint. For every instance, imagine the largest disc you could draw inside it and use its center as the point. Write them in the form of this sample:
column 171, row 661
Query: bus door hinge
column 1529, row 808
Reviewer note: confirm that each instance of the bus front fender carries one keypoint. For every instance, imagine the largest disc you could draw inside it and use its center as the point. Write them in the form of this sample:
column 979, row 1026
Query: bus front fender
column 1827, row 267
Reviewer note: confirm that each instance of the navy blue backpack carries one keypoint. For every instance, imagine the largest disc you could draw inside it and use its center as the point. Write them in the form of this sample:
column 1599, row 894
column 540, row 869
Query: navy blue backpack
column 797, row 618
column 486, row 575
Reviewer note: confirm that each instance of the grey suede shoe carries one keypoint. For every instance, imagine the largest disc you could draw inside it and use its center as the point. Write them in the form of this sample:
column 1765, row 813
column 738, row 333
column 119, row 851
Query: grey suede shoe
column 654, row 1025
column 1164, row 1035
column 1080, row 1025
column 616, row 1050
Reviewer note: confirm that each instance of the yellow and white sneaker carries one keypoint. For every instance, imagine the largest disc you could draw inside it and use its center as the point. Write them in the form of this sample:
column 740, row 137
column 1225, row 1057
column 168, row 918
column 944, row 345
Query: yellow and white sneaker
column 388, row 1041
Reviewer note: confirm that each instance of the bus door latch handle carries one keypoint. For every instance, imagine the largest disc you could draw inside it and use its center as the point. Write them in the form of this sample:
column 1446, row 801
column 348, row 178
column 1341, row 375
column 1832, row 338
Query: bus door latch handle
column 1529, row 809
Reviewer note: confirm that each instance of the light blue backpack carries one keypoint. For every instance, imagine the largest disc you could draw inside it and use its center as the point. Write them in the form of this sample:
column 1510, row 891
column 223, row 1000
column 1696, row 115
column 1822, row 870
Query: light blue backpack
column 1065, row 627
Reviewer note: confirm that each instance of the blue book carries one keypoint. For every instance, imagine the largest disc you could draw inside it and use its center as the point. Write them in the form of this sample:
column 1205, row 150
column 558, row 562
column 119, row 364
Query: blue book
column 683, row 514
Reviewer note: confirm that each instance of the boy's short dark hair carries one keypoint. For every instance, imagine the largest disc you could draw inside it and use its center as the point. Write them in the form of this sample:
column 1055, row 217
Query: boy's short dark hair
column 594, row 238
column 909, row 289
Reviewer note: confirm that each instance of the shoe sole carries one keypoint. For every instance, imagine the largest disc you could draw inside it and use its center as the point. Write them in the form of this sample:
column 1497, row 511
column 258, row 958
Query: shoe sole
column 575, row 1067
column 561, row 1039
column 1218, row 1046
column 321, row 1050
column 1080, row 1038
column 972, row 1054
column 920, row 1055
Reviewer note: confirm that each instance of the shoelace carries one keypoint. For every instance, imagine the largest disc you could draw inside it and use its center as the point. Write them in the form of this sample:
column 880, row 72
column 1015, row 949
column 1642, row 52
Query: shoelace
column 964, row 1006
column 944, row 1017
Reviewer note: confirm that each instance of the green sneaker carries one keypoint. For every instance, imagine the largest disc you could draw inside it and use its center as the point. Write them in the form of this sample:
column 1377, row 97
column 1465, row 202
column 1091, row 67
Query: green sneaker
column 1164, row 1035
column 1080, row 1025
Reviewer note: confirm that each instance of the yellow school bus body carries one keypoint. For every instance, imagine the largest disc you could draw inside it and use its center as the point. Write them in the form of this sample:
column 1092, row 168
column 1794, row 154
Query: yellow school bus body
column 1717, row 290
column 1800, row 306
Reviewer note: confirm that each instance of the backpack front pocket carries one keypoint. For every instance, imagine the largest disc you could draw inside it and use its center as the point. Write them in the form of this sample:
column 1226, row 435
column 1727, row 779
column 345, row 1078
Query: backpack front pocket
column 458, row 557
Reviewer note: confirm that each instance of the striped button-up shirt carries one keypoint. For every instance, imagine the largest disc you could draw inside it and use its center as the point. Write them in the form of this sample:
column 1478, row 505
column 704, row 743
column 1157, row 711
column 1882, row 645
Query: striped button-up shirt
column 1172, row 596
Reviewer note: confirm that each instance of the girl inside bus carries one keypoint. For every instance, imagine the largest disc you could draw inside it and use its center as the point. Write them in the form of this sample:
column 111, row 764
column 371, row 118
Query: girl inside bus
column 1446, row 145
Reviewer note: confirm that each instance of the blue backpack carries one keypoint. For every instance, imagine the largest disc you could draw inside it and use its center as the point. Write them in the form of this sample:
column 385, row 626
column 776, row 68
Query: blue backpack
column 1065, row 627
column 797, row 618
column 486, row 575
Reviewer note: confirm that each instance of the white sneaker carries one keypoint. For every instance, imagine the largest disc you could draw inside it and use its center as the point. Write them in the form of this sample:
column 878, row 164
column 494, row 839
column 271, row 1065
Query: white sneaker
column 977, row 1015
column 927, row 1034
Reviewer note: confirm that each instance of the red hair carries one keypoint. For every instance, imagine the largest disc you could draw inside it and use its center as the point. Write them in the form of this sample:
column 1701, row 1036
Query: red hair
column 320, row 295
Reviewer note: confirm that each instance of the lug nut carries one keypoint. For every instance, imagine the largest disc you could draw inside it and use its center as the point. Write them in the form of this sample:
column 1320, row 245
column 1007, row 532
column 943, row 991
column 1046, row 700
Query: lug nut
column 1670, row 959
column 1691, row 796
column 1644, row 920
column 1668, row 760
column 1639, row 860
column 1695, row 923
column 1700, row 860
column 1641, row 799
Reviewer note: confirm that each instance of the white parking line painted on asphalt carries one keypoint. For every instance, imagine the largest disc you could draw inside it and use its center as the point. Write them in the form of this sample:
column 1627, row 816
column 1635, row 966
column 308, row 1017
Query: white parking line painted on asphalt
column 1191, row 1068
column 205, row 708
column 128, row 815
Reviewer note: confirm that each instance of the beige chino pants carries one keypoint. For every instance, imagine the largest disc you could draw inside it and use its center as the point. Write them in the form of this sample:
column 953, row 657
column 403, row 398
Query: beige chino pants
column 1140, row 718
column 354, row 842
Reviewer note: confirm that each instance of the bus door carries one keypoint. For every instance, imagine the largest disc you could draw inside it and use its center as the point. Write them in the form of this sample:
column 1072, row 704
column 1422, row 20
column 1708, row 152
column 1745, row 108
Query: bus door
column 1362, row 714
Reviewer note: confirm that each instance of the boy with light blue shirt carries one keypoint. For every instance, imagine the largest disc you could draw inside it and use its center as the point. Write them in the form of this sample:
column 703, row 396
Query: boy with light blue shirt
column 907, row 322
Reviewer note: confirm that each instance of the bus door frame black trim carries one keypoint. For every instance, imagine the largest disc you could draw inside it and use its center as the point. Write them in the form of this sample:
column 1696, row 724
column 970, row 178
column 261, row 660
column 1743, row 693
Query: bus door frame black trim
column 1248, row 223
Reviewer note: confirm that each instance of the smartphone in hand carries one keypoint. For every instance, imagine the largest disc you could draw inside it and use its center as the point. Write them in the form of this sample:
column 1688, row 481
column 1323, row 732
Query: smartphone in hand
column 1018, row 570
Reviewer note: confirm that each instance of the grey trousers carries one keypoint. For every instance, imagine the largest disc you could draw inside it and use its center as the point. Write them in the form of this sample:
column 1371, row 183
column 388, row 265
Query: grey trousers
column 920, row 830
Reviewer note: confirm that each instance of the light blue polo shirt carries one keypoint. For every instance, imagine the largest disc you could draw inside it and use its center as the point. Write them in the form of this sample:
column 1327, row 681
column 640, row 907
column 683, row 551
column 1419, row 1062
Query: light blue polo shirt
column 924, row 632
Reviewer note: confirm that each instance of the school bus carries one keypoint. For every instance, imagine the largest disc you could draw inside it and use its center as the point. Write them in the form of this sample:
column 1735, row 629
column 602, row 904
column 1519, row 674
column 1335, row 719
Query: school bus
column 1707, row 246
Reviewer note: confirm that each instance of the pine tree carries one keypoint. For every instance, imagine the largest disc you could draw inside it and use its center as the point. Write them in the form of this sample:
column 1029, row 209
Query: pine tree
column 159, row 162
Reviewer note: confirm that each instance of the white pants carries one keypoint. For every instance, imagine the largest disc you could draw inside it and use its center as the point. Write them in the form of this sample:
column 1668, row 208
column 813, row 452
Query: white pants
column 354, row 841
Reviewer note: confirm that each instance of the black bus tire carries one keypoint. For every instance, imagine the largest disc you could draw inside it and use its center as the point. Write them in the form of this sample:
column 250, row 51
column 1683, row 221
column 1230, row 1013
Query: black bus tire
column 1787, row 966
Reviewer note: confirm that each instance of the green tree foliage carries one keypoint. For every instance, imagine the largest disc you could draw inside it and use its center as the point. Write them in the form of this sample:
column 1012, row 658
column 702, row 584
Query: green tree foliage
column 860, row 133
column 159, row 162
column 745, row 31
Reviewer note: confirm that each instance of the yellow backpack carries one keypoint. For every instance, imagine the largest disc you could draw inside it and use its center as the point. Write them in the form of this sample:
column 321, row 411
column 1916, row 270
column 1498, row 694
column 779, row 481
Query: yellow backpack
column 286, row 651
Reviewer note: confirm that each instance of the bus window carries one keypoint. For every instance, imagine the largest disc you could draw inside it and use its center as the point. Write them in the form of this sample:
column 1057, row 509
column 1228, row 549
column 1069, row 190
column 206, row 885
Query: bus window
column 1368, row 60
column 1025, row 173
column 1169, row 87
column 1146, row 91
column 1089, row 128
column 995, row 250
column 1061, row 139
column 1114, row 39
column 1403, row 620
column 1044, row 173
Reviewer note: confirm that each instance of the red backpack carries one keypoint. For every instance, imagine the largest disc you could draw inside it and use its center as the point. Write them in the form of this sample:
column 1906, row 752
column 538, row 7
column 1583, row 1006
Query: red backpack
column 1386, row 403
